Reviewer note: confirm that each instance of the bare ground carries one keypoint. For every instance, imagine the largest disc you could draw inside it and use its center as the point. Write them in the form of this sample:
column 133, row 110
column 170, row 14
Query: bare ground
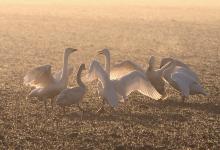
column 32, row 36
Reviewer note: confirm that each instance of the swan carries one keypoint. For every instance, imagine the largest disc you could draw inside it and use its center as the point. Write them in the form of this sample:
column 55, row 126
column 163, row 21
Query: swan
column 70, row 96
column 125, row 67
column 182, row 79
column 178, row 63
column 46, row 85
column 122, row 87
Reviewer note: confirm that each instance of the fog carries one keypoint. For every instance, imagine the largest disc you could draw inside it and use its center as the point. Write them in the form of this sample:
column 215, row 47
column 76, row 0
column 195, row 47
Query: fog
column 202, row 3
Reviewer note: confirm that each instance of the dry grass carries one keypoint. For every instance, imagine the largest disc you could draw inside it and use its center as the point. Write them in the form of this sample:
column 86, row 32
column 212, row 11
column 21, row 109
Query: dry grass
column 34, row 36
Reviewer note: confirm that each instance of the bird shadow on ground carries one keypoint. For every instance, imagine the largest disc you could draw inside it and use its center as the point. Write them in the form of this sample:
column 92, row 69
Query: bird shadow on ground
column 207, row 107
column 148, row 119
column 117, row 116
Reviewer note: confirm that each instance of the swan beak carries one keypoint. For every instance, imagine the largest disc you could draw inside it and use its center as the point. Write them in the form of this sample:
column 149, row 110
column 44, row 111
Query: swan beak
column 100, row 52
column 73, row 50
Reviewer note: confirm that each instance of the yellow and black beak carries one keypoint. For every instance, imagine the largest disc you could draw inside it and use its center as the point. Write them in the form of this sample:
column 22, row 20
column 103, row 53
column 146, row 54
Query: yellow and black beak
column 100, row 52
column 73, row 50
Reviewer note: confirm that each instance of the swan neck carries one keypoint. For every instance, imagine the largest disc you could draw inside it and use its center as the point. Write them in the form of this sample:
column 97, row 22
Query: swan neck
column 64, row 77
column 107, row 63
column 79, row 81
column 102, row 75
column 150, row 68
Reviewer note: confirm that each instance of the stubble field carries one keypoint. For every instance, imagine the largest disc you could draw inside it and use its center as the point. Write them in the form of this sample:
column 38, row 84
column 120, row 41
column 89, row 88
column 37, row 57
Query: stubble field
column 35, row 35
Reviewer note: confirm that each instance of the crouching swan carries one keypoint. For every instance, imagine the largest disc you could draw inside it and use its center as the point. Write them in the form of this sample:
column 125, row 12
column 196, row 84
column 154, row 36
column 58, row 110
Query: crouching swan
column 70, row 96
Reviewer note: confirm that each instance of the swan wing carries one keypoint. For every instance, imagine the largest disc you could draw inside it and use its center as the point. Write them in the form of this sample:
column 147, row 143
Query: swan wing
column 182, row 83
column 138, row 81
column 91, row 74
column 96, row 72
column 186, row 72
column 110, row 94
column 57, row 76
column 39, row 76
column 164, row 61
column 123, row 68
column 179, row 63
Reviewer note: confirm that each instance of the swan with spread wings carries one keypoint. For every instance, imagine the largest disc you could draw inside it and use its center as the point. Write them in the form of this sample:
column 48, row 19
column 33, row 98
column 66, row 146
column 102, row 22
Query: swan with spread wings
column 119, row 70
column 117, row 90
column 47, row 85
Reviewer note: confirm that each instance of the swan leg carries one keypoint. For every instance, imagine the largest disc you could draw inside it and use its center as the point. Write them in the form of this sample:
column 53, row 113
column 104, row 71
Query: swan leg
column 45, row 104
column 52, row 102
column 80, row 108
column 183, row 98
column 64, row 111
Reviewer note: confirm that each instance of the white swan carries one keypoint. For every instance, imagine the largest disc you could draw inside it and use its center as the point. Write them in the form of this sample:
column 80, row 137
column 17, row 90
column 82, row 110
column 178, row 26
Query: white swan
column 183, row 80
column 125, row 67
column 46, row 85
column 70, row 96
column 121, row 88
column 164, row 61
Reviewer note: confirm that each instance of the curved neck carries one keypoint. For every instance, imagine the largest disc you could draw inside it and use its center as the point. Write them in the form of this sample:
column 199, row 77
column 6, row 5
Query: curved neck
column 64, row 77
column 107, row 63
column 79, row 81
column 150, row 68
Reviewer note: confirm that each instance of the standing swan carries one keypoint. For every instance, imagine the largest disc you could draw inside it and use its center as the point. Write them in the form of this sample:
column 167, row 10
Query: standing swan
column 46, row 85
column 119, row 89
column 119, row 70
column 73, row 95
column 183, row 80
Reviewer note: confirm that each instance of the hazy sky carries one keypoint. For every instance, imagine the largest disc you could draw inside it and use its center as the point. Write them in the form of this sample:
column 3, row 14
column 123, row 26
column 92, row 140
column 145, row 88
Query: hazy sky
column 108, row 2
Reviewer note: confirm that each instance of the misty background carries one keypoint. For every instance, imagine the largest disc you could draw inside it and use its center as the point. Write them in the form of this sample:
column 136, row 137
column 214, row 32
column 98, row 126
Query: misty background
column 202, row 3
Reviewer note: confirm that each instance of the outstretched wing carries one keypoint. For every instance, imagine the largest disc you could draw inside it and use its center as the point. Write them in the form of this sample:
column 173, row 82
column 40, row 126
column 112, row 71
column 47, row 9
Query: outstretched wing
column 179, row 63
column 123, row 68
column 57, row 76
column 138, row 81
column 39, row 76
column 186, row 72
column 183, row 78
column 110, row 94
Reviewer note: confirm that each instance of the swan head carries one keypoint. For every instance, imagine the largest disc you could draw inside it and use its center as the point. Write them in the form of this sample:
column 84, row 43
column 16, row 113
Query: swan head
column 151, row 62
column 68, row 51
column 47, row 67
column 104, row 52
column 164, row 61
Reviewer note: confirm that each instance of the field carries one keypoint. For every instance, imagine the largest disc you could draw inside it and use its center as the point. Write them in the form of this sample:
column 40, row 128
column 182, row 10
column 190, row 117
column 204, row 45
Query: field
column 35, row 35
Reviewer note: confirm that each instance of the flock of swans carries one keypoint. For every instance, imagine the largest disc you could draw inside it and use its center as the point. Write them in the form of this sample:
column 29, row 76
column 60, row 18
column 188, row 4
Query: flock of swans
column 115, row 83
